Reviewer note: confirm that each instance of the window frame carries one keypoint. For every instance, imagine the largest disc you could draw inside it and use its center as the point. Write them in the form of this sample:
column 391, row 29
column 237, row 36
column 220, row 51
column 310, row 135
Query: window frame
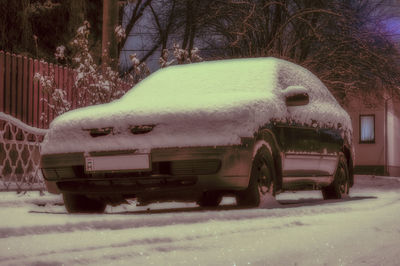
column 359, row 127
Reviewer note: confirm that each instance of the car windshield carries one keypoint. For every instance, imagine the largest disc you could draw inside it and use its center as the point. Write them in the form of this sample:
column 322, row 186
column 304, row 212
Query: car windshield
column 209, row 78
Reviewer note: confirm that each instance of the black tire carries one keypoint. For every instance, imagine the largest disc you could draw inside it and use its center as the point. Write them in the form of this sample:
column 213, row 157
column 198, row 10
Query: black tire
column 210, row 199
column 340, row 186
column 76, row 203
column 261, row 180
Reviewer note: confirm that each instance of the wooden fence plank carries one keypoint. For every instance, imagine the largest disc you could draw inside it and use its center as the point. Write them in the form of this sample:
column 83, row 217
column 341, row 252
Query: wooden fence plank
column 14, row 85
column 41, row 105
column 61, row 82
column 19, row 87
column 36, row 94
column 65, row 82
column 2, row 80
column 47, row 68
column 7, row 94
column 57, row 80
column 61, row 75
column 25, row 90
column 74, row 94
column 46, row 95
column 31, row 111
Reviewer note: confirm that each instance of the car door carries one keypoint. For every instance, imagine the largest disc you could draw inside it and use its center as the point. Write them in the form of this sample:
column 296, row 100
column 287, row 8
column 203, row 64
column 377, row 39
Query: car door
column 308, row 151
column 310, row 145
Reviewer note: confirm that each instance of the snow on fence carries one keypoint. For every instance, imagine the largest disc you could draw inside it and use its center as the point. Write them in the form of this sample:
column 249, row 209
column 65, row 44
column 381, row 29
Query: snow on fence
column 19, row 155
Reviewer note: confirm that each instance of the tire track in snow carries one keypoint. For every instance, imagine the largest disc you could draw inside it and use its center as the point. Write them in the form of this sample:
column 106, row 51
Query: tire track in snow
column 158, row 244
column 178, row 217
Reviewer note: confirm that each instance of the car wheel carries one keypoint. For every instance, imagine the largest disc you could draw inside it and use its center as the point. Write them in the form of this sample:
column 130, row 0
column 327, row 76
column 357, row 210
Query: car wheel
column 261, row 181
column 340, row 186
column 76, row 203
column 210, row 199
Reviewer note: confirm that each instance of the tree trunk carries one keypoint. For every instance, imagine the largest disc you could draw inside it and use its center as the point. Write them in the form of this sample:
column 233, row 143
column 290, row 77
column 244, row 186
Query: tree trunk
column 110, row 19
column 77, row 14
column 27, row 40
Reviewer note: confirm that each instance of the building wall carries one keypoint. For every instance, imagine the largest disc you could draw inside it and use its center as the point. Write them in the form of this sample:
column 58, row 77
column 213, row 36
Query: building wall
column 370, row 157
column 394, row 138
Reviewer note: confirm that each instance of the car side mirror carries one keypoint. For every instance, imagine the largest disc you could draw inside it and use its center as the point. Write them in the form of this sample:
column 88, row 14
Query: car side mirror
column 296, row 96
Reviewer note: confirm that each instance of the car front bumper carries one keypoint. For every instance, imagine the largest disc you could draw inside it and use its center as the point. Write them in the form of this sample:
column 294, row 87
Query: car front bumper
column 192, row 168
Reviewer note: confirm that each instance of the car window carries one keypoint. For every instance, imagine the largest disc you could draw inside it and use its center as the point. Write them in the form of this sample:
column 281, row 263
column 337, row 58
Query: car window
column 209, row 78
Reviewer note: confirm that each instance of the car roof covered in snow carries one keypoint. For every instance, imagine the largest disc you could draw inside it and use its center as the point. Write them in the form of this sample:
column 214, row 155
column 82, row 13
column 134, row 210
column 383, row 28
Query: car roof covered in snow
column 212, row 77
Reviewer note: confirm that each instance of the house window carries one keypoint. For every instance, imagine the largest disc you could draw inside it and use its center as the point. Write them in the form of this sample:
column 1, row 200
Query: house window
column 367, row 128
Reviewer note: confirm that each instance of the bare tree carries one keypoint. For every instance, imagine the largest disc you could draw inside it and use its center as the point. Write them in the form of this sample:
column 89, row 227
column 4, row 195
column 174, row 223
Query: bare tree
column 355, row 53
column 343, row 42
column 132, row 11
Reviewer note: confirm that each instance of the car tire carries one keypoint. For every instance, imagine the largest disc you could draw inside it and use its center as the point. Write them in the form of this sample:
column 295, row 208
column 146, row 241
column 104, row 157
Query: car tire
column 210, row 199
column 340, row 186
column 77, row 203
column 261, row 181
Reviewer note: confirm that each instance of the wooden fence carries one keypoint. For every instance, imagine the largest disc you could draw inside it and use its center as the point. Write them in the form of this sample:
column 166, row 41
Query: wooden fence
column 22, row 104
column 21, row 96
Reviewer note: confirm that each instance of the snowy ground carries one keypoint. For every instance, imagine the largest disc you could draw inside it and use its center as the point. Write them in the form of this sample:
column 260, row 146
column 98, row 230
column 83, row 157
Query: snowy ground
column 303, row 230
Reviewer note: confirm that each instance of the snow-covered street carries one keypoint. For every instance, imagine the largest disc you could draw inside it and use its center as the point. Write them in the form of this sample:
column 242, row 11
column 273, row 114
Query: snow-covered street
column 303, row 230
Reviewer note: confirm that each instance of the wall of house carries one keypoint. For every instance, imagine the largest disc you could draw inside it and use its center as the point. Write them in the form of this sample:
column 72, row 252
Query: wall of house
column 369, row 157
column 394, row 138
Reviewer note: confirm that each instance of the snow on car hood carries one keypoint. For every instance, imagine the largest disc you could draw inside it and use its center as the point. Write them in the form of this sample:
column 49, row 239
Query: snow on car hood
column 193, row 125
column 203, row 104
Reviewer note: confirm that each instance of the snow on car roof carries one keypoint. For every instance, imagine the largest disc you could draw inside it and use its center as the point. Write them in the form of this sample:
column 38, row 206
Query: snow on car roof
column 223, row 76
column 201, row 104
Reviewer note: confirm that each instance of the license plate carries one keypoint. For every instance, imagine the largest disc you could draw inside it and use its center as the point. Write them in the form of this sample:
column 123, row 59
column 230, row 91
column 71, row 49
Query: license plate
column 133, row 162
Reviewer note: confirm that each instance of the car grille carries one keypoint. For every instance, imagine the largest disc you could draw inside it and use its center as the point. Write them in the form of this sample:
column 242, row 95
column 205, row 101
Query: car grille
column 195, row 167
column 62, row 172
column 173, row 168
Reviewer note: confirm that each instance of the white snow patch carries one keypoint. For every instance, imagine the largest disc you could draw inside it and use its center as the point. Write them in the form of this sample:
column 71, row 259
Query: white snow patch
column 303, row 230
column 22, row 125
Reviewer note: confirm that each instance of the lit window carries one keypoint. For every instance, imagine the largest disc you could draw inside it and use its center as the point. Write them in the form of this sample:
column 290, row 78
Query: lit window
column 367, row 128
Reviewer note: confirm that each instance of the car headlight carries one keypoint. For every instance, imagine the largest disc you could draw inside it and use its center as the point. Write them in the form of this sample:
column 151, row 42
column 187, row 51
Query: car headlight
column 142, row 129
column 98, row 132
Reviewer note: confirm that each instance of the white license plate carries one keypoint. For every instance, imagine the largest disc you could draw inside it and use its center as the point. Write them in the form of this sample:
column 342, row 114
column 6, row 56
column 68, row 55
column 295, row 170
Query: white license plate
column 133, row 162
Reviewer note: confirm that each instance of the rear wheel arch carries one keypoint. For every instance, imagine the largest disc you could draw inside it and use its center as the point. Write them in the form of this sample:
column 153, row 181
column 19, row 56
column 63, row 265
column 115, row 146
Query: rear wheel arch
column 339, row 188
column 349, row 158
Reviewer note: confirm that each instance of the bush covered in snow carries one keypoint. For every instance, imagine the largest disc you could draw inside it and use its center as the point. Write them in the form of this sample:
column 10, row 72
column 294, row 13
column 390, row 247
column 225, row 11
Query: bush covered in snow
column 92, row 83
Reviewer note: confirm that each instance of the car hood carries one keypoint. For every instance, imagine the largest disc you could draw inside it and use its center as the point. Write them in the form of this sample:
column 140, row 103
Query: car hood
column 196, row 120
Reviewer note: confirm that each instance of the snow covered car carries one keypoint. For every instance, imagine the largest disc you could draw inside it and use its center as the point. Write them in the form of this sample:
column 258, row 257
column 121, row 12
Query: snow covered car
column 243, row 127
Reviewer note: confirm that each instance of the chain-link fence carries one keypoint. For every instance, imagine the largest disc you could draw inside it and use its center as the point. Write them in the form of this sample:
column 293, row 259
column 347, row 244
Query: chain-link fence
column 19, row 155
